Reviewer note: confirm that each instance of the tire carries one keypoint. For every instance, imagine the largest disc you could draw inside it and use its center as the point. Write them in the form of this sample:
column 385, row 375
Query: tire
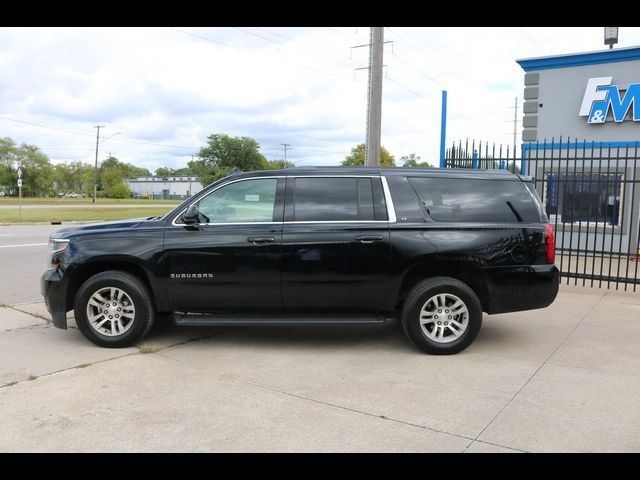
column 430, row 302
column 126, row 310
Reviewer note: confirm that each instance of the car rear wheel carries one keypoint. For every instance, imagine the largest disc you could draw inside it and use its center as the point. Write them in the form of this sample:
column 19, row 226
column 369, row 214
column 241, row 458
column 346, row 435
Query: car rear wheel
column 114, row 309
column 442, row 315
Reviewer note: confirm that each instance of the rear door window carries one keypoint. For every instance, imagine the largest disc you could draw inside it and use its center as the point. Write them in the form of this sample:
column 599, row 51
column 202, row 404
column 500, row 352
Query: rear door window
column 329, row 199
column 475, row 200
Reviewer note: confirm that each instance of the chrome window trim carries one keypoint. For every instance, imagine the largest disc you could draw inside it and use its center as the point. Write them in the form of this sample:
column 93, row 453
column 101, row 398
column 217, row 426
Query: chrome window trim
column 334, row 176
column 334, row 221
column 385, row 188
column 217, row 188
column 391, row 211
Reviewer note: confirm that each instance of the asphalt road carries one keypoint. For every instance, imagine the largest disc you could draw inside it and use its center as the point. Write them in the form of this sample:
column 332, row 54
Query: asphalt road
column 23, row 251
column 87, row 205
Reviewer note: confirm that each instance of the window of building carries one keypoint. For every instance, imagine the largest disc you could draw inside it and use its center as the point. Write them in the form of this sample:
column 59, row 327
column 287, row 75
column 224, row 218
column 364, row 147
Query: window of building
column 593, row 198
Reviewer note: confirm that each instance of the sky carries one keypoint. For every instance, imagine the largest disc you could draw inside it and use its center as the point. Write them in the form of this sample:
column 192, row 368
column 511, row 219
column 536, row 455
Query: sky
column 159, row 92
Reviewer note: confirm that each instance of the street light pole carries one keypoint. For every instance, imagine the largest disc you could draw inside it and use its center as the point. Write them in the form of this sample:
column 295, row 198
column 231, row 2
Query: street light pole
column 19, row 173
column 95, row 168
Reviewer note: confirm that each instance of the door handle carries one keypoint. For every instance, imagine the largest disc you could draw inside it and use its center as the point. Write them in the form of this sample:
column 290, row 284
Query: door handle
column 368, row 238
column 261, row 239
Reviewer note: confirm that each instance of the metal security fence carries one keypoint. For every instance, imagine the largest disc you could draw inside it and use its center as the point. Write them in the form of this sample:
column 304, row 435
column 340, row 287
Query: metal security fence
column 483, row 156
column 591, row 193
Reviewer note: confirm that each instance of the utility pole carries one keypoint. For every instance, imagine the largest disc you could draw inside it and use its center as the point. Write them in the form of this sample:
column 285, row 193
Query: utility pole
column 95, row 168
column 374, row 114
column 190, row 177
column 285, row 146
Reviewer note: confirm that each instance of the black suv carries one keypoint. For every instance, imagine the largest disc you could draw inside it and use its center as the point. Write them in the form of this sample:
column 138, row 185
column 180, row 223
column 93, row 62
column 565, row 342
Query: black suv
column 315, row 246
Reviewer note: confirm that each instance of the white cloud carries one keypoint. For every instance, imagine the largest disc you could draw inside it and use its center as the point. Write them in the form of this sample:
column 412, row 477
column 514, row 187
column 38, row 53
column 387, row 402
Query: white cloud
column 279, row 85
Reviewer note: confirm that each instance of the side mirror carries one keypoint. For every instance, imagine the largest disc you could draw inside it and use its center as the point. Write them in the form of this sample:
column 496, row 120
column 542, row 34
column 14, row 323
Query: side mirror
column 191, row 216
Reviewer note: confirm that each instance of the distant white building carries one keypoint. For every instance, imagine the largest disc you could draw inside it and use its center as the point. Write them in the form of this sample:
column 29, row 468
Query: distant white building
column 166, row 188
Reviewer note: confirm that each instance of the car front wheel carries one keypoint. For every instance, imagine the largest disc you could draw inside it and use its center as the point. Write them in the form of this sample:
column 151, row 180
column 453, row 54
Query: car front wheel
column 114, row 309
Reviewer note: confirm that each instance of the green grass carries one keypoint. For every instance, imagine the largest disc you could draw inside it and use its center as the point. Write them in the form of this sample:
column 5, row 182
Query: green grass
column 87, row 201
column 95, row 213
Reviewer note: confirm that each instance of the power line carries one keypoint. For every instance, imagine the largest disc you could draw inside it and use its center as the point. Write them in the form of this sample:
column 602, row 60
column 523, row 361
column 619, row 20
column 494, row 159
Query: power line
column 419, row 52
column 305, row 45
column 287, row 62
column 417, row 94
column 248, row 51
column 186, row 147
column 319, row 151
column 429, row 77
column 287, row 45
column 304, row 149
column 46, row 126
column 347, row 32
column 531, row 40
column 75, row 132
column 65, row 148
column 207, row 39
column 455, row 78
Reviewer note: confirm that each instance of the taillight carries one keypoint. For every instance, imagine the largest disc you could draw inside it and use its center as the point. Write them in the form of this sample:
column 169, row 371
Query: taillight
column 551, row 243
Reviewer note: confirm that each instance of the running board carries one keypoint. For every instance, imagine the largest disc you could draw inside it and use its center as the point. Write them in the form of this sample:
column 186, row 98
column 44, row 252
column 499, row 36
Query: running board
column 206, row 319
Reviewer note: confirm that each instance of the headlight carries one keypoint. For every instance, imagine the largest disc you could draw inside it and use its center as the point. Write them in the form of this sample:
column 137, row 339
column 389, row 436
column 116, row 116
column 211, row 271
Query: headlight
column 55, row 245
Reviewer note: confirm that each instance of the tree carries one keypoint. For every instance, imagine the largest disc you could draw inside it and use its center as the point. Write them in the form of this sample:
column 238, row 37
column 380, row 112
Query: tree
column 127, row 169
column 112, row 173
column 40, row 177
column 279, row 164
column 8, row 176
column 413, row 161
column 113, row 183
column 73, row 177
column 36, row 170
column 173, row 172
column 356, row 158
column 164, row 172
column 223, row 154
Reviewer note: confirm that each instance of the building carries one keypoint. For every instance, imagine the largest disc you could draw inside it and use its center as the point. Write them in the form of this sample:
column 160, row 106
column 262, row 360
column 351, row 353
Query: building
column 588, row 96
column 165, row 188
column 581, row 140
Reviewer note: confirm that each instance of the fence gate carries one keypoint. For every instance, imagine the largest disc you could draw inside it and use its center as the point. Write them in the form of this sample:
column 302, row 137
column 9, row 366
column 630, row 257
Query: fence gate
column 591, row 193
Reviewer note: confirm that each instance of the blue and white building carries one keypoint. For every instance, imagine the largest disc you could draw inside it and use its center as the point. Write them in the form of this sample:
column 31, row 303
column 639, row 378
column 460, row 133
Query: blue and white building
column 583, row 111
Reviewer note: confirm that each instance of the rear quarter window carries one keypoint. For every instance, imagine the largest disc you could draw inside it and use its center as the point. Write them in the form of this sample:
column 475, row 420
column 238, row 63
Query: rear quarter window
column 475, row 200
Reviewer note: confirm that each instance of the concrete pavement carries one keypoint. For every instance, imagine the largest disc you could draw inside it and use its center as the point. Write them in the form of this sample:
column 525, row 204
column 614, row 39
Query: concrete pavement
column 565, row 378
